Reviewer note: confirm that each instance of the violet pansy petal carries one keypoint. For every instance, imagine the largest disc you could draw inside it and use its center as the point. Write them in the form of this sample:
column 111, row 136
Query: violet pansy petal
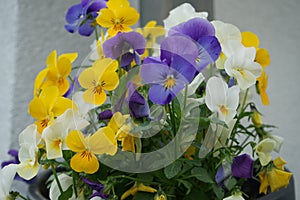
column 96, row 6
column 135, row 40
column 178, row 45
column 126, row 59
column 84, row 3
column 242, row 166
column 138, row 106
column 104, row 115
column 159, row 95
column 211, row 46
column 112, row 47
column 154, row 73
column 72, row 28
column 194, row 28
column 74, row 13
column 184, row 68
column 86, row 29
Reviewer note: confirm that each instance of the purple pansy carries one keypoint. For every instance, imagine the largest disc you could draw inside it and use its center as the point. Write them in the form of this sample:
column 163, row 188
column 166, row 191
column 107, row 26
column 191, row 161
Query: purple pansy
column 175, row 68
column 203, row 32
column 138, row 106
column 97, row 187
column 242, row 166
column 126, row 46
column 105, row 115
column 82, row 16
column 223, row 173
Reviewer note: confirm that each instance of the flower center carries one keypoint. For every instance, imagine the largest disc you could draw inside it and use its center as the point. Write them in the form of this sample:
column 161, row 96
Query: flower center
column 224, row 110
column 86, row 154
column 169, row 82
column 98, row 89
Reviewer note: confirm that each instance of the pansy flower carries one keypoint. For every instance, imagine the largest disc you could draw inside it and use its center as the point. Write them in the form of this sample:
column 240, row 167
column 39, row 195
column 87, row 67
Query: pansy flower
column 97, row 187
column 175, row 68
column 82, row 16
column 7, row 175
column 86, row 148
column 203, row 32
column 117, row 17
column 97, row 79
column 138, row 187
column 47, row 106
column 125, row 46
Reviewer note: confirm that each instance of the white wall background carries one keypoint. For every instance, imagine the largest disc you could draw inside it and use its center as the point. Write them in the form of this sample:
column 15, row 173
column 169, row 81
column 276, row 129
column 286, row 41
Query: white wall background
column 277, row 23
column 29, row 31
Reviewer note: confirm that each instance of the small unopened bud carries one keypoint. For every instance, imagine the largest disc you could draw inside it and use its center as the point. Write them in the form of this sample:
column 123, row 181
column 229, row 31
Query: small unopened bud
column 256, row 119
column 160, row 197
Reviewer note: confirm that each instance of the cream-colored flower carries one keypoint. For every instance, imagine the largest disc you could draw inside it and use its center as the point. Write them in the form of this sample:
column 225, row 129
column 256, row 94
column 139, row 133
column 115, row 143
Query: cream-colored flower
column 263, row 150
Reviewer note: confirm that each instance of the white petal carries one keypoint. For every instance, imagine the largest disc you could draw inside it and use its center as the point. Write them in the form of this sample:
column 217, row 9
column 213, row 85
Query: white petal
column 233, row 97
column 279, row 141
column 182, row 13
column 216, row 90
column 7, row 175
column 83, row 107
column 226, row 31
column 65, row 181
column 30, row 135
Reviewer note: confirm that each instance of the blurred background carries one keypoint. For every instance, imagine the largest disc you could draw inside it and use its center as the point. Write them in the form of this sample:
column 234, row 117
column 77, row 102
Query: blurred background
column 31, row 29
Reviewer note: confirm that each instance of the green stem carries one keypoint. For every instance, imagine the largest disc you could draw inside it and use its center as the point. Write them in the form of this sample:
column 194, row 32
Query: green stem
column 22, row 197
column 245, row 99
column 56, row 177
column 172, row 119
column 135, row 179
column 74, row 183
column 96, row 33
column 185, row 99
column 73, row 82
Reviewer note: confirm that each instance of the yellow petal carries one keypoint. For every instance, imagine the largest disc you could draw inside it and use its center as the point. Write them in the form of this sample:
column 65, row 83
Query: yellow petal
column 100, row 66
column 61, row 105
column 49, row 96
column 262, row 57
column 144, row 188
column 116, row 4
column 278, row 179
column 262, row 87
column 51, row 59
column 88, row 78
column 132, row 191
column 43, row 123
column 106, row 18
column 264, row 183
column 37, row 109
column 109, row 80
column 75, row 141
column 38, row 82
column 129, row 15
column 117, row 121
column 64, row 67
column 279, row 163
column 249, row 39
column 63, row 86
column 70, row 56
column 103, row 142
column 85, row 162
column 128, row 144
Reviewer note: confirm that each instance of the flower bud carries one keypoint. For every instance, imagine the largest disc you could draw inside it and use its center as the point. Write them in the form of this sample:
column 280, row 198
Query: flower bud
column 160, row 197
column 256, row 119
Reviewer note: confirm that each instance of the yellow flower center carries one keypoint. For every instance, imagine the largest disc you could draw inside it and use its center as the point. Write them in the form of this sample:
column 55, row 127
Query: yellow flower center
column 86, row 154
column 44, row 123
column 169, row 82
column 118, row 24
column 224, row 110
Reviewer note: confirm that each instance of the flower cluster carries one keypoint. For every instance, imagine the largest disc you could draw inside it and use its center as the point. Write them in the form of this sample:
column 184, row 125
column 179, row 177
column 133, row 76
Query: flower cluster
column 158, row 112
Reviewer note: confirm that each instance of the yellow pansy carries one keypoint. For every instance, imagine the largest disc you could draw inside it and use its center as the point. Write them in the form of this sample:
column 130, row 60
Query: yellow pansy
column 275, row 177
column 99, row 78
column 122, row 130
column 138, row 187
column 117, row 17
column 39, row 82
column 150, row 32
column 86, row 148
column 59, row 69
column 47, row 105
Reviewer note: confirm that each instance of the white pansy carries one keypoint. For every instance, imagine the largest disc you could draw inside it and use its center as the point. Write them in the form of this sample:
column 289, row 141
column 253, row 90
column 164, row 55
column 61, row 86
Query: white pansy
column 7, row 175
column 225, row 33
column 240, row 65
column 55, row 134
column 29, row 140
column 65, row 182
column 278, row 140
column 263, row 150
column 221, row 99
column 182, row 13
column 237, row 196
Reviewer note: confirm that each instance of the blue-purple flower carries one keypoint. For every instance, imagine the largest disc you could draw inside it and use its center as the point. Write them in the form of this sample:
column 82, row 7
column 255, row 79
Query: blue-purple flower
column 242, row 166
column 203, row 32
column 105, row 115
column 175, row 68
column 82, row 16
column 97, row 187
column 126, row 46
column 138, row 106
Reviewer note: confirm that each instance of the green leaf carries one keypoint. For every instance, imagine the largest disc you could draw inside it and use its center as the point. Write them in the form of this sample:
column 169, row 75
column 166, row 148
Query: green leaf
column 201, row 174
column 66, row 194
column 187, row 185
column 218, row 191
column 230, row 183
column 173, row 169
column 197, row 194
